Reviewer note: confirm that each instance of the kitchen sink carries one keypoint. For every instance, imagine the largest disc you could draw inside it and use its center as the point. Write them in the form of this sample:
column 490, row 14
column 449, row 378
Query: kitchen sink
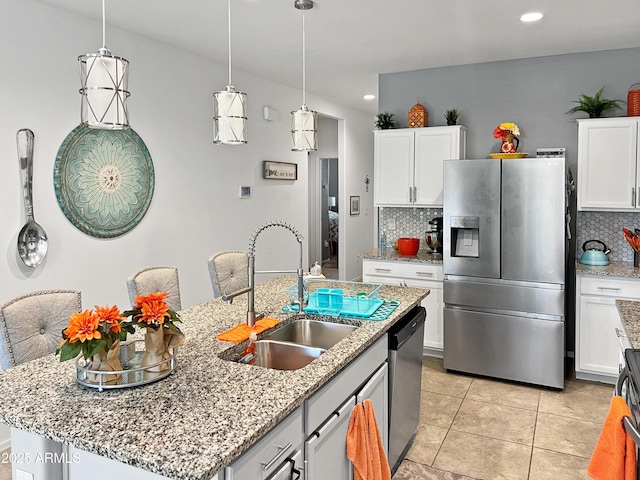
column 283, row 355
column 312, row 333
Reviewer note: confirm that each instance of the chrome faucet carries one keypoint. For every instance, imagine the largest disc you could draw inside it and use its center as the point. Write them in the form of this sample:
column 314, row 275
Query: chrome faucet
column 251, row 313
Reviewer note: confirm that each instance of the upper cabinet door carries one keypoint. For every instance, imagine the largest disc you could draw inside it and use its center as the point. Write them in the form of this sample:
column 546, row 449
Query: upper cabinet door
column 607, row 164
column 433, row 146
column 393, row 180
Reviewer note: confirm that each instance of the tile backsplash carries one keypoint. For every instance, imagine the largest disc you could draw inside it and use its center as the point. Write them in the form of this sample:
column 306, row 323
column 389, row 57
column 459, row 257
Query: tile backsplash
column 603, row 226
column 409, row 222
column 607, row 227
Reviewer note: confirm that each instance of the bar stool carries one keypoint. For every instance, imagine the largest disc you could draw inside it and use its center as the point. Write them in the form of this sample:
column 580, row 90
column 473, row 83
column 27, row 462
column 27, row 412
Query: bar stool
column 156, row 279
column 229, row 271
column 31, row 324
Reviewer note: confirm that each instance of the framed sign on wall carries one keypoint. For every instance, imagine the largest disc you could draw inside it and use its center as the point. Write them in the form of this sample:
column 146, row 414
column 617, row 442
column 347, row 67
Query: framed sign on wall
column 279, row 170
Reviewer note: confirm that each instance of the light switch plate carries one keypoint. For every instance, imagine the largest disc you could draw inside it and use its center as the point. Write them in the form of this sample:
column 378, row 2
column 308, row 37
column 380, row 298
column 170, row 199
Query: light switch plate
column 391, row 224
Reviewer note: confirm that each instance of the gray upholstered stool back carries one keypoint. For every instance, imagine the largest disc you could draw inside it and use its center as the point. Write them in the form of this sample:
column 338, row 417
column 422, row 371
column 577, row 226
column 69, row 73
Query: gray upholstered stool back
column 229, row 271
column 156, row 279
column 31, row 325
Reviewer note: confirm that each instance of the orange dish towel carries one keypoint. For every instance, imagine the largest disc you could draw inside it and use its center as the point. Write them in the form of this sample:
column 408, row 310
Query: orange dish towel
column 241, row 332
column 614, row 457
column 364, row 445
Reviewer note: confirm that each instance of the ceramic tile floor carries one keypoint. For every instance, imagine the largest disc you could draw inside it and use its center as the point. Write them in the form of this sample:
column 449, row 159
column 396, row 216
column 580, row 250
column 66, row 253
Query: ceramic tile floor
column 473, row 428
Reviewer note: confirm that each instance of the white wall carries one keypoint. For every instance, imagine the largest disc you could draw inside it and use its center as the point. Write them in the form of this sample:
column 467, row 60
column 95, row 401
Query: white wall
column 195, row 209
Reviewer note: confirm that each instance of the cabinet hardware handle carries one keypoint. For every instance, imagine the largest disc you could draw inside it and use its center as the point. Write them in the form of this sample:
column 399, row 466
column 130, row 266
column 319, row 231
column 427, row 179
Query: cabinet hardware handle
column 415, row 194
column 294, row 470
column 610, row 288
column 619, row 333
column 282, row 451
column 633, row 196
column 410, row 195
column 426, row 274
column 383, row 269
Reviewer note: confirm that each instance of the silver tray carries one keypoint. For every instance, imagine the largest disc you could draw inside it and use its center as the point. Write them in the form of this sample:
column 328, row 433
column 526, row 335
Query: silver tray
column 133, row 373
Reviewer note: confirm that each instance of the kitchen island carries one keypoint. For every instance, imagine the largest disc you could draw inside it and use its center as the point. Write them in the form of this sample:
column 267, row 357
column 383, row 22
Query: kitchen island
column 197, row 421
column 630, row 315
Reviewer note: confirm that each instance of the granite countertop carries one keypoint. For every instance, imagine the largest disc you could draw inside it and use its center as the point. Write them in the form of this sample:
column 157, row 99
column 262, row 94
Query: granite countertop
column 614, row 269
column 195, row 422
column 390, row 253
column 630, row 315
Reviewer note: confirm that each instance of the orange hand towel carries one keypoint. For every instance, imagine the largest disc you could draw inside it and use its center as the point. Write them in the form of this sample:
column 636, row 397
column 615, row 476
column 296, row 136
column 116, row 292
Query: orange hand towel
column 614, row 457
column 241, row 332
column 364, row 445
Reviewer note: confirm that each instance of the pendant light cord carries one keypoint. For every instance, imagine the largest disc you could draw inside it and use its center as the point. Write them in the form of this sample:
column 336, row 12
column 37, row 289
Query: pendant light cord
column 229, row 31
column 104, row 27
column 304, row 62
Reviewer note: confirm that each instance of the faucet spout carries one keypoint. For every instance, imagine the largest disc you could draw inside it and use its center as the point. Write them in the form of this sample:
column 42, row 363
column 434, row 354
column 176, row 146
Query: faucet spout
column 251, row 312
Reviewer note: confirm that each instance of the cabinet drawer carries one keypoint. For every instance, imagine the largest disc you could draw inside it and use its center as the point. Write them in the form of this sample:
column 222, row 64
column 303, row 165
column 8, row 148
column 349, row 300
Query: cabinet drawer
column 267, row 455
column 327, row 400
column 408, row 270
column 607, row 287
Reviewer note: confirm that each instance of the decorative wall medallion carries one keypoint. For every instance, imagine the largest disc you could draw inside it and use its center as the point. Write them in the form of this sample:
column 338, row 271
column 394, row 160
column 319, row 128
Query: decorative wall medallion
column 104, row 180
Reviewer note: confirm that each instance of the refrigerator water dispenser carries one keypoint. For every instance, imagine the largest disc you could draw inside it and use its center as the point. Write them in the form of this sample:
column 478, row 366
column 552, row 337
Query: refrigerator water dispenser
column 464, row 236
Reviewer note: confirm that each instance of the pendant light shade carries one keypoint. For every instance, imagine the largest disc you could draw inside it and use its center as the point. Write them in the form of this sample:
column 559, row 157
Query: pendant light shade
column 229, row 108
column 104, row 80
column 304, row 122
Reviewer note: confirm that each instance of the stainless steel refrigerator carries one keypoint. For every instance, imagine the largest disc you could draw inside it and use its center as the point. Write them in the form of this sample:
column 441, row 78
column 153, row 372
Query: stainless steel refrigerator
column 504, row 254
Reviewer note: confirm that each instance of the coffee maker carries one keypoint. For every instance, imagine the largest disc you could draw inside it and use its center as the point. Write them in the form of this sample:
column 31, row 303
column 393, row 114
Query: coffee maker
column 433, row 236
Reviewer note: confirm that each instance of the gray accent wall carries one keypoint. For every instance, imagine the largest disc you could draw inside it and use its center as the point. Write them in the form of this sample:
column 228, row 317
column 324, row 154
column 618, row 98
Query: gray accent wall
column 534, row 93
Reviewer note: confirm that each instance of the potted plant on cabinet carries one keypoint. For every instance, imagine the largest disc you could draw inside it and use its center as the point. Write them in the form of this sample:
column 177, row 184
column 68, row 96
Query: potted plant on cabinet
column 385, row 121
column 594, row 106
column 452, row 116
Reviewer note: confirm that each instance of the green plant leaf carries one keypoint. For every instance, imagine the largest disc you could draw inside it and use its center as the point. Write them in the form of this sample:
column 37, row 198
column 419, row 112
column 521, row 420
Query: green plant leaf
column 69, row 351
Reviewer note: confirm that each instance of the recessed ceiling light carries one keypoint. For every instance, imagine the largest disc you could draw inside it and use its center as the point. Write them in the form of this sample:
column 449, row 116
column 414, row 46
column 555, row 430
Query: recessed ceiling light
column 369, row 97
column 531, row 17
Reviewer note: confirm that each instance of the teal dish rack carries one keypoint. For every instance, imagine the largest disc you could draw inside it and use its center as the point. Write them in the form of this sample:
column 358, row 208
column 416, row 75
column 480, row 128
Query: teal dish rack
column 339, row 298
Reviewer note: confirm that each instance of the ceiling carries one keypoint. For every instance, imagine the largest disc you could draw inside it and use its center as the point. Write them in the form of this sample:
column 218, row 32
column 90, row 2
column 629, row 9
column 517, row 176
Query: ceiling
column 350, row 42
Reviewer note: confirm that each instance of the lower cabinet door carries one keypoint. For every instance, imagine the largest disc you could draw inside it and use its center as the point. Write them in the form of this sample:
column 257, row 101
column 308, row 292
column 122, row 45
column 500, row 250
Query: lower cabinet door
column 377, row 390
column 291, row 469
column 326, row 448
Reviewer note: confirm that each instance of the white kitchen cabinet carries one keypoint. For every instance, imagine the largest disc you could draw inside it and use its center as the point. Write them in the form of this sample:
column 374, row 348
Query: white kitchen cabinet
column 608, row 159
column 328, row 411
column 272, row 452
column 415, row 274
column 408, row 164
column 597, row 344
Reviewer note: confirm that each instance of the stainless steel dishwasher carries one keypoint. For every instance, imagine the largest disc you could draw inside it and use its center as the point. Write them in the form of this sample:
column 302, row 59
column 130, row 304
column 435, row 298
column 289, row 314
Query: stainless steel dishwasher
column 405, row 377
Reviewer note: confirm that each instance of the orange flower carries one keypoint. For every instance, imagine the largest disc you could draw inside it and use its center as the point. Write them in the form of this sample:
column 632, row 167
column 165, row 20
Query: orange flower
column 154, row 311
column 82, row 327
column 142, row 299
column 109, row 314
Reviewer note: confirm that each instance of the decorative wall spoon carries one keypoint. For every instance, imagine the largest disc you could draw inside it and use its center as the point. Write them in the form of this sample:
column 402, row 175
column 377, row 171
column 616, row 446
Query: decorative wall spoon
column 32, row 239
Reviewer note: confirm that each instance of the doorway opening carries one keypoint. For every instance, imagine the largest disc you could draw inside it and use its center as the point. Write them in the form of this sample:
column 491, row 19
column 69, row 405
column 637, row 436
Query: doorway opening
column 330, row 217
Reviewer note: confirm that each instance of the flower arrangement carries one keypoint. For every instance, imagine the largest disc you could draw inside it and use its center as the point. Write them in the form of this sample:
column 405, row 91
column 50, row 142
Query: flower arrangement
column 152, row 311
column 92, row 332
column 504, row 129
column 632, row 238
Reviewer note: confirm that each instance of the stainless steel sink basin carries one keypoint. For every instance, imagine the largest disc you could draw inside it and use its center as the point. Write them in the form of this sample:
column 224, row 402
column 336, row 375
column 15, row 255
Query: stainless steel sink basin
column 283, row 355
column 313, row 333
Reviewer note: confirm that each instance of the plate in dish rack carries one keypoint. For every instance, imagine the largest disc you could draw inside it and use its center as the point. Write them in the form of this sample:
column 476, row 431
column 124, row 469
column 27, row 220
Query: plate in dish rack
column 506, row 156
column 103, row 180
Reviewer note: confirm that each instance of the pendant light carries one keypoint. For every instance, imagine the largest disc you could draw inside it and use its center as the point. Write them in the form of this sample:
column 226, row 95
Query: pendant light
column 104, row 81
column 304, row 122
column 229, row 108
